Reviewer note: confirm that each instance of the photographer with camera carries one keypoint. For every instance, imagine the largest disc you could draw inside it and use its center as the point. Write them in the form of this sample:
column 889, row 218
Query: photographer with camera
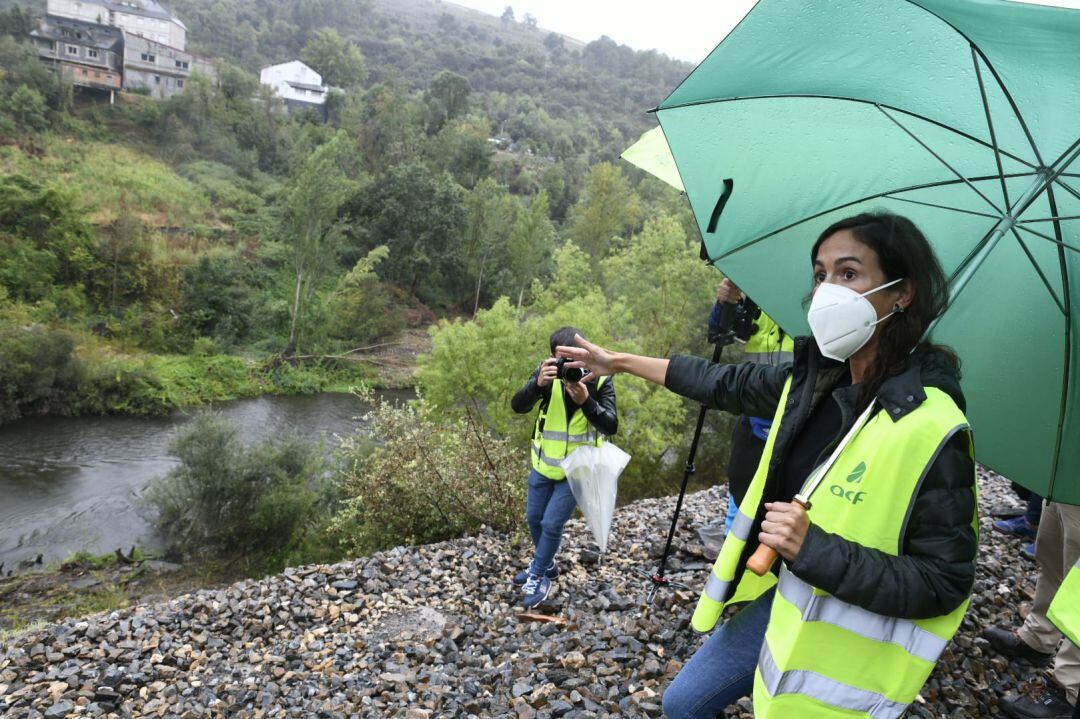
column 736, row 318
column 572, row 413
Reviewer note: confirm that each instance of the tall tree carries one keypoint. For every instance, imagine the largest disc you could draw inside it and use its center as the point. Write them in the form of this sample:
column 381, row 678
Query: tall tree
column 508, row 14
column 491, row 215
column 608, row 208
column 448, row 98
column 531, row 244
column 339, row 62
column 311, row 223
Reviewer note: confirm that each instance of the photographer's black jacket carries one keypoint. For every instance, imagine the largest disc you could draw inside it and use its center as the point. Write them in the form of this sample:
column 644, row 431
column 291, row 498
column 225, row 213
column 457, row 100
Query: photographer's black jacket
column 599, row 408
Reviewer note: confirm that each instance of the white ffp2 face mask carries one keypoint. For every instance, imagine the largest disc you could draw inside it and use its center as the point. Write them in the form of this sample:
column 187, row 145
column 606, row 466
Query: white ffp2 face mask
column 842, row 320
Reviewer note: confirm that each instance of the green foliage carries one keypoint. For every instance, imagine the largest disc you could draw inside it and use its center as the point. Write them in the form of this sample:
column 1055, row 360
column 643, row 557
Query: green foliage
column 27, row 107
column 339, row 62
column 429, row 477
column 311, row 224
column 39, row 371
column 607, row 209
column 216, row 301
column 447, row 98
column 226, row 499
column 362, row 307
column 419, row 215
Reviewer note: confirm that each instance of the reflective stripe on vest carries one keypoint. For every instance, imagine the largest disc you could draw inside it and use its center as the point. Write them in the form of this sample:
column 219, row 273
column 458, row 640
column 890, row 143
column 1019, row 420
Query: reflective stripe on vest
column 560, row 437
column 805, row 683
column 1064, row 611
column 565, row 437
column 825, row 608
column 769, row 344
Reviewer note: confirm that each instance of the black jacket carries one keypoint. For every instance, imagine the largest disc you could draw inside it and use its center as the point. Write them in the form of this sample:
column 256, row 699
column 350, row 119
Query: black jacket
column 936, row 571
column 599, row 408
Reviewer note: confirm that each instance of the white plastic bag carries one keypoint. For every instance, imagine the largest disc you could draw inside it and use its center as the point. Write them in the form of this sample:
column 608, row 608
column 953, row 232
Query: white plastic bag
column 593, row 474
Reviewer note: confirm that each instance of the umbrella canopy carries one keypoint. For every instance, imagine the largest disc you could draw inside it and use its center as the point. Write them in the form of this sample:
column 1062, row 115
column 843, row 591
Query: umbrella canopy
column 963, row 115
column 652, row 154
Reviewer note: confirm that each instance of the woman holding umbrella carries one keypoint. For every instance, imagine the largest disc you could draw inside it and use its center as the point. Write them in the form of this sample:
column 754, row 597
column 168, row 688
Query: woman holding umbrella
column 878, row 553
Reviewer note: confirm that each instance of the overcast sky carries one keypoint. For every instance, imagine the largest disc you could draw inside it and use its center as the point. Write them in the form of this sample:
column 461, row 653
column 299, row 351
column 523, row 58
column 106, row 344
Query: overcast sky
column 684, row 29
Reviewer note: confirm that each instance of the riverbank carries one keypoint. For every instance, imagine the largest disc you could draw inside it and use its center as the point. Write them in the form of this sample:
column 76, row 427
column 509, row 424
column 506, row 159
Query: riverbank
column 435, row 631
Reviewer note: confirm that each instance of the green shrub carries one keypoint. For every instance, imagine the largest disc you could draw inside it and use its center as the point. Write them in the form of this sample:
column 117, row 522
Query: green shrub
column 227, row 499
column 427, row 479
column 39, row 372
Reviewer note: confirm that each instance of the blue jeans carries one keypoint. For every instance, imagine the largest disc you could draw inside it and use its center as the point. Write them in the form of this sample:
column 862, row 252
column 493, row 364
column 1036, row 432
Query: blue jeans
column 729, row 518
column 722, row 669
column 547, row 509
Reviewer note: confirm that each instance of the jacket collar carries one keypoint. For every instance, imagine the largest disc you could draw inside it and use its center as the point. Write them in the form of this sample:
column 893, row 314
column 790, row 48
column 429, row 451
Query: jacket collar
column 898, row 395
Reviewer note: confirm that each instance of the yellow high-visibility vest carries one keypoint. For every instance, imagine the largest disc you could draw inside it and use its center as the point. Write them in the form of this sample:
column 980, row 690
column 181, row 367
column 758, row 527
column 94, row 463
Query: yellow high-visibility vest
column 823, row 657
column 769, row 344
column 554, row 437
column 1064, row 611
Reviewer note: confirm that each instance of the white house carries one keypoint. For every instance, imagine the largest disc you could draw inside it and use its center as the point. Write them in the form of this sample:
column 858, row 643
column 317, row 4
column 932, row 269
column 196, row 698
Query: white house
column 297, row 84
column 145, row 18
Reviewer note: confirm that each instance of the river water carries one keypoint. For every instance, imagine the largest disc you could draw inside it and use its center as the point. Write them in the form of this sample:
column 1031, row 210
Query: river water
column 68, row 484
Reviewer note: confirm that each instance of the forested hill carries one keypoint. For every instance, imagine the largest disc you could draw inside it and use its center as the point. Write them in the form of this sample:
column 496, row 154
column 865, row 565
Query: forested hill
column 532, row 83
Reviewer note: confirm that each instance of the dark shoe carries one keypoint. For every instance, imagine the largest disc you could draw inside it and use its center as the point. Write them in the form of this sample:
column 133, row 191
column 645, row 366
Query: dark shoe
column 523, row 576
column 1008, row 643
column 1006, row 512
column 1041, row 699
column 1018, row 526
column 1028, row 551
column 536, row 590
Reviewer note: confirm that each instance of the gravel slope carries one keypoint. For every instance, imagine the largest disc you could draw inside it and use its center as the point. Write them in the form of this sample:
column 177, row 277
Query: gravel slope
column 434, row 631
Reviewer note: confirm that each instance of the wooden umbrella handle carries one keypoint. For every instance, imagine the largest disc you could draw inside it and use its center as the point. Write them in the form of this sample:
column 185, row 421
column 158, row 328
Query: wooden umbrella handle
column 764, row 557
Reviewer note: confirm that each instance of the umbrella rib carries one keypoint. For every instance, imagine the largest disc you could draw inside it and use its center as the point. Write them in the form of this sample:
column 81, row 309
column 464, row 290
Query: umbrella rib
column 867, row 198
column 1053, row 219
column 1039, row 271
column 990, row 126
column 810, row 96
column 997, row 78
column 1065, row 384
column 940, row 159
column 1068, row 188
column 1048, row 238
column 940, row 207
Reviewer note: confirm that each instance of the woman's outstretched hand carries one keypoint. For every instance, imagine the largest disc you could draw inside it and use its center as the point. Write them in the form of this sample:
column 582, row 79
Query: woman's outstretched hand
column 597, row 360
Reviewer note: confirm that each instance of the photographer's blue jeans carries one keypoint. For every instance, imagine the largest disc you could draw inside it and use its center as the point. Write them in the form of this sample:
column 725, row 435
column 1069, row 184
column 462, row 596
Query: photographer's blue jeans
column 722, row 670
column 549, row 505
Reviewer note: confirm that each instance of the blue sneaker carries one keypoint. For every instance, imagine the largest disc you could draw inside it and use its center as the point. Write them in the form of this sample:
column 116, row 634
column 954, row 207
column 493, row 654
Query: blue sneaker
column 552, row 572
column 536, row 590
column 1028, row 551
column 1018, row 526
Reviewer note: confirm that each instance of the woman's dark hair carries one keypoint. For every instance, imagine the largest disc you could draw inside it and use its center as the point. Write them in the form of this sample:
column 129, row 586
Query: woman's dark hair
column 564, row 337
column 903, row 253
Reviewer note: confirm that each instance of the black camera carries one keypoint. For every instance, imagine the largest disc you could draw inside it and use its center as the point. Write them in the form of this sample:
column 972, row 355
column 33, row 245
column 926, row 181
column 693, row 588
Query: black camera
column 568, row 374
column 737, row 322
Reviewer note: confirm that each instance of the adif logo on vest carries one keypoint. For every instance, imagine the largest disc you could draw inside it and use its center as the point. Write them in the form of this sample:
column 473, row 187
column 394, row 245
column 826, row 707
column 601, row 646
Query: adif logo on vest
column 855, row 477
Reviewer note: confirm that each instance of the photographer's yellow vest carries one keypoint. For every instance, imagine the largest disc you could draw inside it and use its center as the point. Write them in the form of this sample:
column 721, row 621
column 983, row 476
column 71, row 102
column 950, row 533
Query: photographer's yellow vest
column 769, row 344
column 554, row 437
column 823, row 657
column 1064, row 611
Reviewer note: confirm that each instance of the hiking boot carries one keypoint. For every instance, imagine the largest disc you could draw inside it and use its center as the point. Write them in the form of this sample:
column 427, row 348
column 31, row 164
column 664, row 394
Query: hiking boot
column 1040, row 699
column 1008, row 643
column 1018, row 526
column 536, row 590
column 1028, row 551
column 552, row 572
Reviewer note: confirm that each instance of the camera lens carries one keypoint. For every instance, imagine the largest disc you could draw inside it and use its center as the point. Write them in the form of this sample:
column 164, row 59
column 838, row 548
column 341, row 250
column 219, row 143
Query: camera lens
column 574, row 374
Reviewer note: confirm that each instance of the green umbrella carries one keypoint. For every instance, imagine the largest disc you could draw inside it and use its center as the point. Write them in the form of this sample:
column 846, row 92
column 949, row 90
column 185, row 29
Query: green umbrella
column 963, row 115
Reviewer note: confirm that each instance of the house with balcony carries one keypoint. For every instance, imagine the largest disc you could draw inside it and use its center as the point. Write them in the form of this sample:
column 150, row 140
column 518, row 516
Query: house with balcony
column 298, row 86
column 87, row 54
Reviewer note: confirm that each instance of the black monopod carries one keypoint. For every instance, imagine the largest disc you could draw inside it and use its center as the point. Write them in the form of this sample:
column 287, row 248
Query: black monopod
column 721, row 339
